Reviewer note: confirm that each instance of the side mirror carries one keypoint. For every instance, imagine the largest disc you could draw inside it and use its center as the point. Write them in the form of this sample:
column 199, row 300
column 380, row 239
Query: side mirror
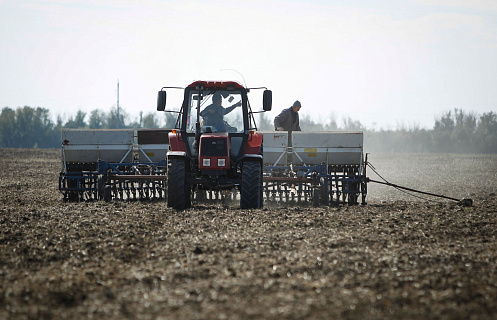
column 267, row 100
column 161, row 101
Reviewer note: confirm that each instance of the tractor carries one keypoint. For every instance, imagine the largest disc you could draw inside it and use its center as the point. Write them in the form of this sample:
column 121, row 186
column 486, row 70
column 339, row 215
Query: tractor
column 215, row 145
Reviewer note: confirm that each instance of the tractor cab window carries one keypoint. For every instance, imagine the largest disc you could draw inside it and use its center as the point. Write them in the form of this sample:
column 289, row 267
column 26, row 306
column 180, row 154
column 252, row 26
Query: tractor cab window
column 220, row 111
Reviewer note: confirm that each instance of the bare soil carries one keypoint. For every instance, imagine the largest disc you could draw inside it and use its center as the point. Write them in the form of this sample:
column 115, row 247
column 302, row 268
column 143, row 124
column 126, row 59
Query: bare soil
column 398, row 257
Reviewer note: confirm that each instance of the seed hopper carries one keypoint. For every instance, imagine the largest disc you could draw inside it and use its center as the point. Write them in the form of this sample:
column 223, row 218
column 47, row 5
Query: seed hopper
column 113, row 164
column 321, row 167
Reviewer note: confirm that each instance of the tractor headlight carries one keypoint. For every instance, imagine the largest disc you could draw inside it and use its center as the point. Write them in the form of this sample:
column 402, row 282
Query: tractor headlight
column 206, row 162
column 221, row 162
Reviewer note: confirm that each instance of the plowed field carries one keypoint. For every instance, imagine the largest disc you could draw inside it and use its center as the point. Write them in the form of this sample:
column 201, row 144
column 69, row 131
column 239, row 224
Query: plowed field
column 399, row 257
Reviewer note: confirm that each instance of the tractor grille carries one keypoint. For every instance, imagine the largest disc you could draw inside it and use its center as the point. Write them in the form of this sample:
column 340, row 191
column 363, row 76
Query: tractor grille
column 214, row 147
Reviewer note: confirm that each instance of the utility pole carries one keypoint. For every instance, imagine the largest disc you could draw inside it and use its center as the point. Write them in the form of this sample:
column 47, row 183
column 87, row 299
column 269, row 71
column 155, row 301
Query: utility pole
column 118, row 118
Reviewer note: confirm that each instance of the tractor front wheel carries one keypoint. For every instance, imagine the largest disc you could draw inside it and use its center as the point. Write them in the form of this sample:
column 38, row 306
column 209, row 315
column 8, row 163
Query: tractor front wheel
column 251, row 187
column 178, row 189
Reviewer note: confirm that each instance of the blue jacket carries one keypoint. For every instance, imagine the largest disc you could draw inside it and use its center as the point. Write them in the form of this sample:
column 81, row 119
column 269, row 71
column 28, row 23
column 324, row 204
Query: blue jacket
column 288, row 120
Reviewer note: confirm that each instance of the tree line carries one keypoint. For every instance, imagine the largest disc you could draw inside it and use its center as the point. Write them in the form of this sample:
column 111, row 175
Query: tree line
column 455, row 131
column 29, row 127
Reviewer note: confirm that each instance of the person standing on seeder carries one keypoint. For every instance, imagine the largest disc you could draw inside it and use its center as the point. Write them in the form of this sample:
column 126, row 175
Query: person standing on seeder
column 288, row 119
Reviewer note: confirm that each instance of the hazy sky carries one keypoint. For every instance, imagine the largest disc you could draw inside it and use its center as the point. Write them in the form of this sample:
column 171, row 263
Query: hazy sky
column 384, row 63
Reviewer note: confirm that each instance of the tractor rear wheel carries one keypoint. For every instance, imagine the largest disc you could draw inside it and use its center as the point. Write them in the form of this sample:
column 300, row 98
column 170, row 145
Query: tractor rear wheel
column 178, row 189
column 251, row 187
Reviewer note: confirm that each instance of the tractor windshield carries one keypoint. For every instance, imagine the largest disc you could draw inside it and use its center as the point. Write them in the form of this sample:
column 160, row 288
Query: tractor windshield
column 220, row 111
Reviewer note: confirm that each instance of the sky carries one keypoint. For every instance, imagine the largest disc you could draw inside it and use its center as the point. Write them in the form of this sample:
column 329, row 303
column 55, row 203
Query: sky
column 387, row 64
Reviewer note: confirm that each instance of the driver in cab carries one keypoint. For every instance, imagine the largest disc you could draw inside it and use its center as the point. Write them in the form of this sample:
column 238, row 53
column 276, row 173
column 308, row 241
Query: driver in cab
column 213, row 114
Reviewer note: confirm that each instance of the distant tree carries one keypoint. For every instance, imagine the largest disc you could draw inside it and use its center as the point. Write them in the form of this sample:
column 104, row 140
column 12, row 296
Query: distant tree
column 352, row 125
column 264, row 123
column 331, row 124
column 308, row 124
column 97, row 119
column 57, row 131
column 444, row 125
column 115, row 120
column 76, row 122
column 8, row 128
column 135, row 124
column 27, row 128
column 486, row 133
column 149, row 121
column 170, row 120
column 463, row 134
column 44, row 133
column 454, row 131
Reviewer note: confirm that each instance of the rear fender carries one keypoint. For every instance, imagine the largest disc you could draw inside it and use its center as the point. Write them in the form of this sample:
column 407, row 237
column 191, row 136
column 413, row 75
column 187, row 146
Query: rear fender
column 253, row 145
column 178, row 155
column 176, row 142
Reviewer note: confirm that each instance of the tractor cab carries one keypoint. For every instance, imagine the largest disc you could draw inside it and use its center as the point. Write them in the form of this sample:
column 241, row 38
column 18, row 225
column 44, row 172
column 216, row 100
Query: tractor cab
column 215, row 135
column 220, row 111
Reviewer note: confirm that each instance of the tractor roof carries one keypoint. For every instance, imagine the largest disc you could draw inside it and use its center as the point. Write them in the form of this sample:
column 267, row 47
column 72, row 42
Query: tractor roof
column 217, row 84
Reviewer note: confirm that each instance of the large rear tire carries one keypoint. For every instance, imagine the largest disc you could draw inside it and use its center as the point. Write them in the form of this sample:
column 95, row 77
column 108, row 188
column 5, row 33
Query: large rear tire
column 251, row 188
column 178, row 189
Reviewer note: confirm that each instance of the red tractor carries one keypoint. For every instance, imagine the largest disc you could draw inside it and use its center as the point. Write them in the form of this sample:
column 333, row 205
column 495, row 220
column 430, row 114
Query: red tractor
column 214, row 145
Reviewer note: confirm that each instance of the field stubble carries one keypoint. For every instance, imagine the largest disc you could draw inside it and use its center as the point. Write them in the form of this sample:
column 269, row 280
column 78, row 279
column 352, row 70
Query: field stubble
column 397, row 257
